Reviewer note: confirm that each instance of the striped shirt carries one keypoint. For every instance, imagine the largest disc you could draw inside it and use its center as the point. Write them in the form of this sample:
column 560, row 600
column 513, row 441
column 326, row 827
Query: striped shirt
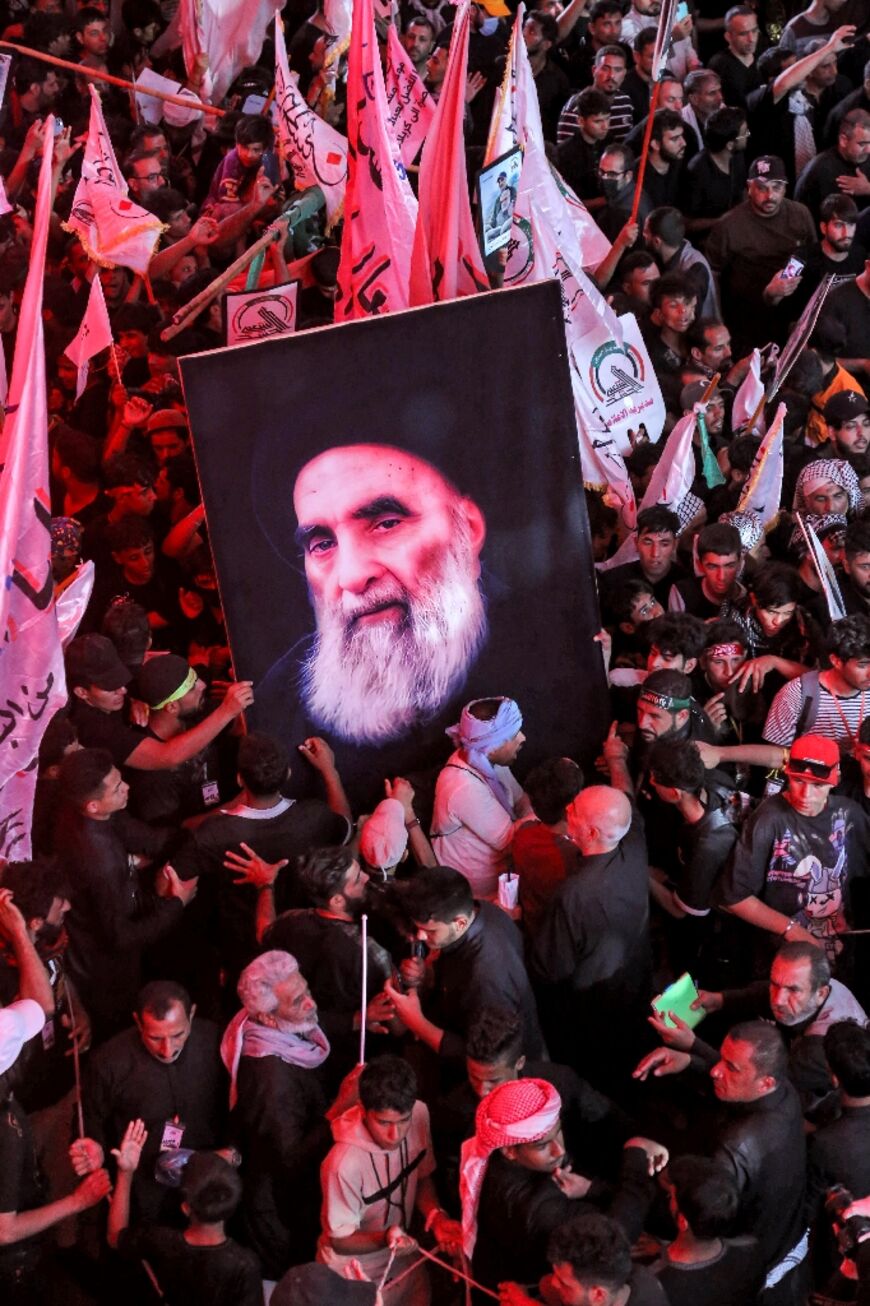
column 836, row 717
column 621, row 119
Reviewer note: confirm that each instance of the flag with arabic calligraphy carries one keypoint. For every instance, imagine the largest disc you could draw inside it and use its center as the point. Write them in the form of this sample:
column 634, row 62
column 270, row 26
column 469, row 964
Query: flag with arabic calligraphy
column 93, row 336
column 410, row 107
column 516, row 121
column 316, row 152
column 114, row 231
column 379, row 208
column 32, row 677
column 446, row 263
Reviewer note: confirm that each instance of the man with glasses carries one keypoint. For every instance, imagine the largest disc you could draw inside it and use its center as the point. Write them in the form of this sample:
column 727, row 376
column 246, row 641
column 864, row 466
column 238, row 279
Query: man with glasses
column 736, row 66
column 145, row 177
column 616, row 178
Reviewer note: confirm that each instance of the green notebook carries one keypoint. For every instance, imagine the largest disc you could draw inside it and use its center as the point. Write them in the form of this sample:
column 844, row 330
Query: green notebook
column 679, row 997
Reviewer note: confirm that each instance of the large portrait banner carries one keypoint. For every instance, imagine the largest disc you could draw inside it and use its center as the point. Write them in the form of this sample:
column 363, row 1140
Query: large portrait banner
column 396, row 511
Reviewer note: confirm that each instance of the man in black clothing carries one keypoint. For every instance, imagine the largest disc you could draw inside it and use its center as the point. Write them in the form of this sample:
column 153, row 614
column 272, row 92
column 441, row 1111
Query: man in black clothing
column 760, row 1141
column 115, row 912
column 855, row 588
column 616, row 178
column 839, row 1152
column 519, row 1184
column 479, row 963
column 595, row 1128
column 849, row 305
column 592, row 947
column 736, row 66
column 656, row 541
column 325, row 939
column 578, row 157
column 166, row 1071
column 715, row 179
column 663, row 177
column 276, row 829
column 98, row 680
column 844, row 168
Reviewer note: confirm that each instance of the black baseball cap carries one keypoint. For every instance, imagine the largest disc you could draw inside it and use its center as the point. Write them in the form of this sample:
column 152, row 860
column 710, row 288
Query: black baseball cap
column 844, row 406
column 93, row 660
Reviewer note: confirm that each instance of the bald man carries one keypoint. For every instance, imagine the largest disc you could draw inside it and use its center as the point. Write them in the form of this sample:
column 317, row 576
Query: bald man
column 391, row 552
column 591, row 949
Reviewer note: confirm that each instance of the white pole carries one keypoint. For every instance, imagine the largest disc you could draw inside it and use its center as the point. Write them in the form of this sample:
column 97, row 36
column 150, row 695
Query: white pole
column 365, row 978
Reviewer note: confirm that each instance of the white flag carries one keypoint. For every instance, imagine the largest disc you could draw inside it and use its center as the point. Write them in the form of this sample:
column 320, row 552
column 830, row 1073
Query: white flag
column 316, row 152
column 230, row 32
column 762, row 493
column 113, row 230
column 32, row 679
column 410, row 106
column 93, row 336
column 824, row 570
column 669, row 484
column 747, row 399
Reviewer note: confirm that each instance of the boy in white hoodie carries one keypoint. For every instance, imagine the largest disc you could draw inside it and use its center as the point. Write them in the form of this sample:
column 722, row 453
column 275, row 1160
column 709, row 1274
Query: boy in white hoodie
column 376, row 1176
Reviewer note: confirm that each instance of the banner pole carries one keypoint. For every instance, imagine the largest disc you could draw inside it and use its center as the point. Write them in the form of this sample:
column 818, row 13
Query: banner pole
column 95, row 75
column 644, row 153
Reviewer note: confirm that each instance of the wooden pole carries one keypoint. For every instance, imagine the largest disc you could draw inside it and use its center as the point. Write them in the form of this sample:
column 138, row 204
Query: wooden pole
column 711, row 386
column 644, row 153
column 92, row 73
column 192, row 310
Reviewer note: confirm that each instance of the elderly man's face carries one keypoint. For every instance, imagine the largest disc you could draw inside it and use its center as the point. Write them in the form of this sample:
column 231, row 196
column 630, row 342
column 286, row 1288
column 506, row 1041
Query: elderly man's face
column 296, row 1009
column 391, row 555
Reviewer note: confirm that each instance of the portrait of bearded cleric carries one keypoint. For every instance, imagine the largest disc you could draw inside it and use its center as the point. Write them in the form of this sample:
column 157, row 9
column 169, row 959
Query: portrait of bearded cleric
column 396, row 512
column 391, row 552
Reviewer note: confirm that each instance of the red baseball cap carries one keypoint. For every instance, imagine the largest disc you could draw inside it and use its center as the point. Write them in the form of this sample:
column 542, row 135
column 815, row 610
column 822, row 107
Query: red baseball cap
column 813, row 757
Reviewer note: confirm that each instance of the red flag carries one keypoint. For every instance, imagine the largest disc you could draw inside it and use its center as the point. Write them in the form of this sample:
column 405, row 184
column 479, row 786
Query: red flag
column 446, row 263
column 93, row 336
column 31, row 660
column 379, row 208
column 410, row 106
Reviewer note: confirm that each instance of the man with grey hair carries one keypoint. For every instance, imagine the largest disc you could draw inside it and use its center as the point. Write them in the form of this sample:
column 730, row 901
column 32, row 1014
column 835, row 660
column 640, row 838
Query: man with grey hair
column 592, row 947
column 274, row 1049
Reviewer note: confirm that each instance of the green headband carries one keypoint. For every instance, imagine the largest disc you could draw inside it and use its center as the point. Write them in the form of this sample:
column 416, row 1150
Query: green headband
column 666, row 701
column 185, row 687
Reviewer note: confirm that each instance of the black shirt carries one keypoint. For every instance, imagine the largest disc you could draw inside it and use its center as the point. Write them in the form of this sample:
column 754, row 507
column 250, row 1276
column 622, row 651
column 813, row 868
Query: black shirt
column 226, row 1275
column 733, row 1278
column 849, row 305
column 737, row 80
column 710, row 192
column 109, row 730
column 483, row 968
column 125, row 1082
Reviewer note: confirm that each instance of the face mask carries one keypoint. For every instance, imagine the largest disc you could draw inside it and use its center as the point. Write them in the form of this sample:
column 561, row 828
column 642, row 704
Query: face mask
column 488, row 26
column 611, row 189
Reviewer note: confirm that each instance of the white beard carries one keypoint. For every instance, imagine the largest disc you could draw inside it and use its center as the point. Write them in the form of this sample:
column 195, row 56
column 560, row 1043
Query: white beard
column 372, row 682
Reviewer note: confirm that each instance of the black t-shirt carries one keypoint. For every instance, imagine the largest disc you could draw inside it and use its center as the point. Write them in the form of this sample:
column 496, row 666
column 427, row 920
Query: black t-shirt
column 226, row 1275
column 849, row 305
column 289, row 830
column 732, row 1278
column 109, row 730
column 710, row 192
column 21, row 1187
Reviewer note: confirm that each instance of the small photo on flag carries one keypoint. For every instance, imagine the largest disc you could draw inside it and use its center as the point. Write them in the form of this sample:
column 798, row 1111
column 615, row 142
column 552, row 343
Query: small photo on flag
column 497, row 189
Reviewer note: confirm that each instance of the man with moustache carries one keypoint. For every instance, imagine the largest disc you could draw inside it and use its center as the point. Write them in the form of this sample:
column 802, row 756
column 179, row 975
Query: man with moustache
column 325, row 940
column 164, row 1070
column 759, row 1139
column 391, row 552
column 748, row 249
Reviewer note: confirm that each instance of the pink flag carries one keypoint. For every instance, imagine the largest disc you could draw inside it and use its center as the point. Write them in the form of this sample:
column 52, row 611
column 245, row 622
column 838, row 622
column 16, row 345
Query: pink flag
column 410, row 107
column 31, row 660
column 379, row 208
column 446, row 263
column 93, row 336
column 316, row 152
column 113, row 230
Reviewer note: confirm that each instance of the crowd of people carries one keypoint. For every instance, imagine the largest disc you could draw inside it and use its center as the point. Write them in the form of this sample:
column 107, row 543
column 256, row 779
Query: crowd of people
column 255, row 1047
